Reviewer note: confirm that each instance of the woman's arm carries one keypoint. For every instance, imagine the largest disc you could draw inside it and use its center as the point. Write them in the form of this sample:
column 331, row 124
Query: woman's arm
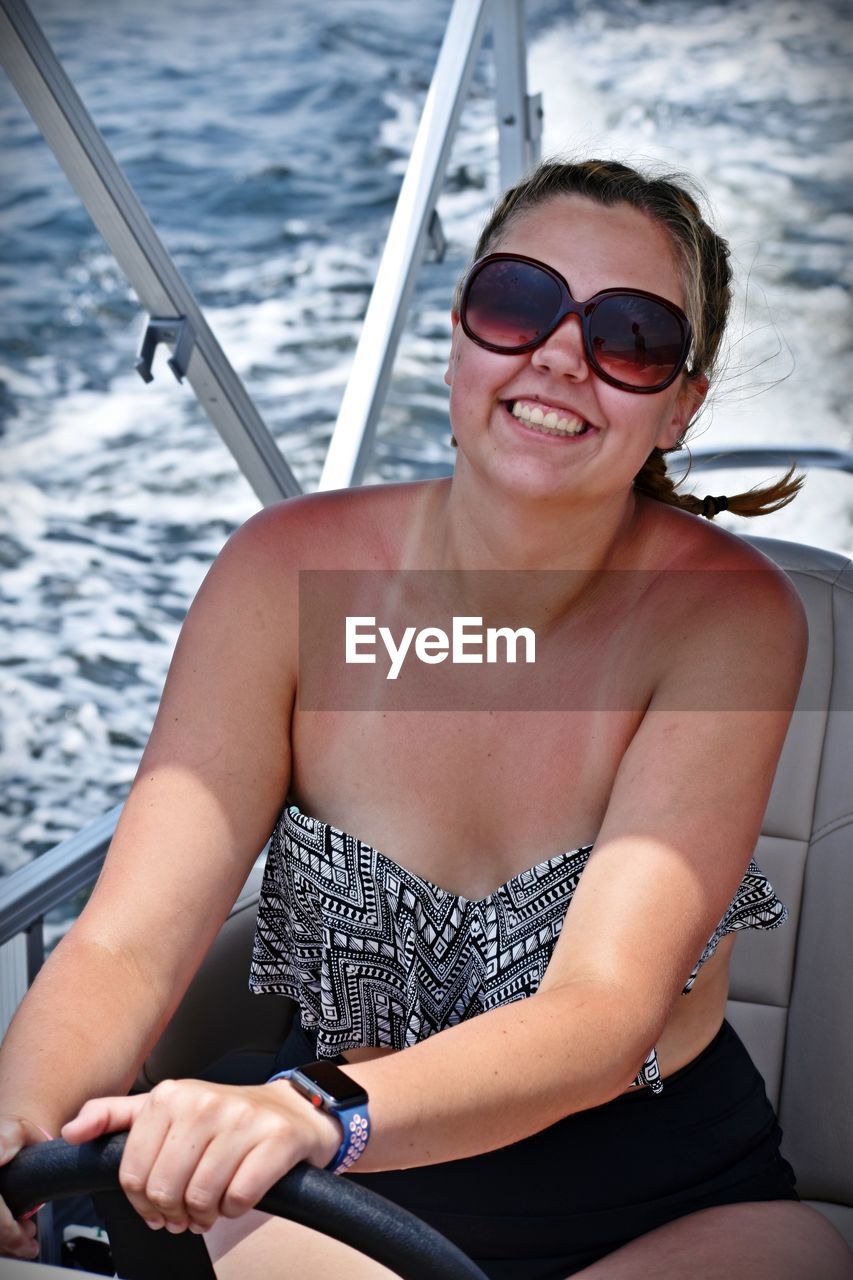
column 210, row 784
column 681, row 825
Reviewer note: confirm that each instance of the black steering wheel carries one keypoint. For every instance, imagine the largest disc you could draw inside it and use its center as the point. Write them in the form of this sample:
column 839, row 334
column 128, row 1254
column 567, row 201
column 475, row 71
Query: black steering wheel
column 354, row 1215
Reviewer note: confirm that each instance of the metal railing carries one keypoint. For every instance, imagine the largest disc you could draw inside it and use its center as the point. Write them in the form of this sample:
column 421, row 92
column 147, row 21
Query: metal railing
column 69, row 868
column 707, row 458
column 29, row 893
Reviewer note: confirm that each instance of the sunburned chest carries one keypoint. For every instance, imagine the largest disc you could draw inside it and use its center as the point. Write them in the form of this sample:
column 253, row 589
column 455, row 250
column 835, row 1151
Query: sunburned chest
column 466, row 799
column 469, row 781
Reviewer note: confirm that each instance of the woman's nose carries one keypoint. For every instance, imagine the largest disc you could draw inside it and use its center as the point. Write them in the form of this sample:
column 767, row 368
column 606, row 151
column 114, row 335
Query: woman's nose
column 563, row 351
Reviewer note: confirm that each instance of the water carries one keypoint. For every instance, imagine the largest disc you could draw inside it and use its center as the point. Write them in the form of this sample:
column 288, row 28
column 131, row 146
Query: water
column 268, row 150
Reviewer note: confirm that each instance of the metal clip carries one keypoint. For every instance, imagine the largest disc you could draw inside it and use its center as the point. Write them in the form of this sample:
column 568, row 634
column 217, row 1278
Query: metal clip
column 535, row 115
column 177, row 331
column 436, row 236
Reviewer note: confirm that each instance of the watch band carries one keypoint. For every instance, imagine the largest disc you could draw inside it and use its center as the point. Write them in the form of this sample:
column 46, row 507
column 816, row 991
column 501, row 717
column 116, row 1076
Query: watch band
column 356, row 1125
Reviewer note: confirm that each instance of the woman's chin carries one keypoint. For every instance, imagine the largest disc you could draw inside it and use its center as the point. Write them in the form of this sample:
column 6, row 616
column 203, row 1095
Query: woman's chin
column 523, row 479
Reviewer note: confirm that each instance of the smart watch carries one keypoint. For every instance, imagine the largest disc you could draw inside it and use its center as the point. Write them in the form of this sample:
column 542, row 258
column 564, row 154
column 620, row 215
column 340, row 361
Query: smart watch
column 330, row 1089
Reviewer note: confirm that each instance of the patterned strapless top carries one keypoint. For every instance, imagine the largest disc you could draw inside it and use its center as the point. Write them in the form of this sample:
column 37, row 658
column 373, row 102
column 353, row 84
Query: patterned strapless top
column 377, row 956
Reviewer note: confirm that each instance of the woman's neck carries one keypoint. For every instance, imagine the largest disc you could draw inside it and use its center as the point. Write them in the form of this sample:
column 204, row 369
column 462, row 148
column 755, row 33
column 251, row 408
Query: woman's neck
column 471, row 530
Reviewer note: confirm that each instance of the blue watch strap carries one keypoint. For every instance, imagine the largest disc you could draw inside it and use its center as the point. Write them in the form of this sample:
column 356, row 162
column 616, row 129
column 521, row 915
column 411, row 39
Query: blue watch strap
column 356, row 1126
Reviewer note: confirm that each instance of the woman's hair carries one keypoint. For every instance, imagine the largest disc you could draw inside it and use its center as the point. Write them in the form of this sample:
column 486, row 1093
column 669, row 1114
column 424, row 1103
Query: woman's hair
column 702, row 258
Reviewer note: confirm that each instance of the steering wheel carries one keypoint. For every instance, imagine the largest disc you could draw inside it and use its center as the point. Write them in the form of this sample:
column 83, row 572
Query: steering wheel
column 327, row 1203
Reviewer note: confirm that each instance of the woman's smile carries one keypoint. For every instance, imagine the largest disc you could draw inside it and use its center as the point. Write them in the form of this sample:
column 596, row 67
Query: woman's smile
column 550, row 421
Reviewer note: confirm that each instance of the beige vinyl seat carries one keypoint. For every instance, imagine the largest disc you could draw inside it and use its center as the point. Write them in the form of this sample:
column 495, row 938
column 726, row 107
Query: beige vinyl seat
column 791, row 997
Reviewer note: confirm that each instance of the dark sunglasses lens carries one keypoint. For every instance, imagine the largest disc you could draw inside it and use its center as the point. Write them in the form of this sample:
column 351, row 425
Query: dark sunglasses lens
column 510, row 304
column 636, row 340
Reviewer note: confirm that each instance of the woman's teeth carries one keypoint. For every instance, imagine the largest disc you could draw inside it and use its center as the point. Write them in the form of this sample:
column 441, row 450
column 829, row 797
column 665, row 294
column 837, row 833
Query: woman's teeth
column 548, row 421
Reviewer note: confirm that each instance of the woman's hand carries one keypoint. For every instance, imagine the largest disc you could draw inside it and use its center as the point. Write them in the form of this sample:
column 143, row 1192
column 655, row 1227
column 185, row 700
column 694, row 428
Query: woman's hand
column 17, row 1238
column 198, row 1150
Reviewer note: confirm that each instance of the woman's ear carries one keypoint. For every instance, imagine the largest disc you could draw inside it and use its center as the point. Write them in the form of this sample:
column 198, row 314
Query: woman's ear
column 687, row 404
column 454, row 347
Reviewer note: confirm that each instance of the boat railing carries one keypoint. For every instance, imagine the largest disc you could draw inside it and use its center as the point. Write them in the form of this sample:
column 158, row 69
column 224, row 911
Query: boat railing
column 32, row 892
column 730, row 457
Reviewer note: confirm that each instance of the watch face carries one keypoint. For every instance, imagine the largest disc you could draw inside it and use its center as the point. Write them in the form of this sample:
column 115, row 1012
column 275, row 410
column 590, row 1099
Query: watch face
column 332, row 1085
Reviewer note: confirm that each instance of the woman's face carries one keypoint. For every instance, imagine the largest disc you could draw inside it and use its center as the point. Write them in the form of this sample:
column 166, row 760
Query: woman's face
column 594, row 247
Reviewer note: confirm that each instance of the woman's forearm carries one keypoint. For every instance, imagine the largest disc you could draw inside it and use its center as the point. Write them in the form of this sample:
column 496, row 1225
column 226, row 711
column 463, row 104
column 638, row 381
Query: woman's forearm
column 486, row 1083
column 81, row 1032
column 499, row 1077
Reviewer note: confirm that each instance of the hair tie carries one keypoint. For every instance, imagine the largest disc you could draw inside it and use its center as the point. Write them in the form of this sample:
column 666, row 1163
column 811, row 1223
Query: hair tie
column 713, row 506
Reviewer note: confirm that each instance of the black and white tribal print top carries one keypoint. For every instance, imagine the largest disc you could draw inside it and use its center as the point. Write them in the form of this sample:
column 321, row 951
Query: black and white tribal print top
column 377, row 956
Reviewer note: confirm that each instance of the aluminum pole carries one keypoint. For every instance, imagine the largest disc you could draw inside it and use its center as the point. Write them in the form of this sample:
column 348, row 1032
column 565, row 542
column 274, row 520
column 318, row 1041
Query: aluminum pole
column 352, row 439
column 519, row 115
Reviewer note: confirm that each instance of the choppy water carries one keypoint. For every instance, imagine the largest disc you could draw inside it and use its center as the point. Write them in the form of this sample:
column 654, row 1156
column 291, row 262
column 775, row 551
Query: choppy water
column 268, row 147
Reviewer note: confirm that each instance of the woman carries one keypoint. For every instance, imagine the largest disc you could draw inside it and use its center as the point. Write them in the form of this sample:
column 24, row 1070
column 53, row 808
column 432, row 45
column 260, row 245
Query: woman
column 539, row 1086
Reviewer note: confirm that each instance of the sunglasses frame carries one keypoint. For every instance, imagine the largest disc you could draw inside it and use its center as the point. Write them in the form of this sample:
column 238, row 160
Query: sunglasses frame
column 569, row 306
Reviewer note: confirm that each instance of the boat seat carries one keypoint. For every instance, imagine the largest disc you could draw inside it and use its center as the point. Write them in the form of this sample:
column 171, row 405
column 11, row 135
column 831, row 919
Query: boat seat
column 791, row 996
column 791, row 993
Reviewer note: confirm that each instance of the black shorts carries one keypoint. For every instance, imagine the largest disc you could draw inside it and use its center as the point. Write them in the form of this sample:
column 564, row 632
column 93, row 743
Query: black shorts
column 552, row 1204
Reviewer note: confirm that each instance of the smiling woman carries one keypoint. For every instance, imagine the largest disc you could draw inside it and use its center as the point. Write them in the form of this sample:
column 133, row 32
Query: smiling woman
column 526, row 1007
column 634, row 340
column 558, row 371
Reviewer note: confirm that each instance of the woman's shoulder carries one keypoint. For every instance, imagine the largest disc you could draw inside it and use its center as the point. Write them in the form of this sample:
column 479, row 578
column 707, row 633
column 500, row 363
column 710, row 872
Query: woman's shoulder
column 685, row 542
column 719, row 587
column 358, row 528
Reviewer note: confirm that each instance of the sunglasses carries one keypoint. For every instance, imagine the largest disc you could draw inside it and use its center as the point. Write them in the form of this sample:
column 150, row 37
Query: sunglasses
column 634, row 340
